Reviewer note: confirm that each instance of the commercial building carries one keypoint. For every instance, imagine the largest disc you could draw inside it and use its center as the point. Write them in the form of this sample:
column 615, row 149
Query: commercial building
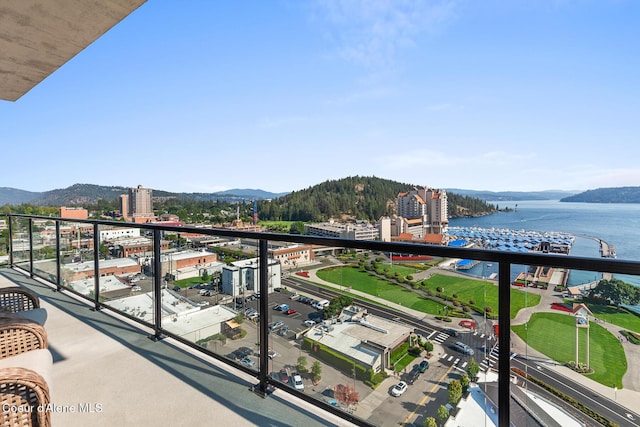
column 355, row 231
column 74, row 213
column 291, row 257
column 108, row 267
column 137, row 205
column 241, row 277
column 362, row 337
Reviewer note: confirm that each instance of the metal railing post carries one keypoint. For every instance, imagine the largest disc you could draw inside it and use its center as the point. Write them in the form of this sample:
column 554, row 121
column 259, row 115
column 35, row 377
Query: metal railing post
column 504, row 341
column 96, row 265
column 10, row 241
column 58, row 259
column 157, row 287
column 31, row 247
column 263, row 333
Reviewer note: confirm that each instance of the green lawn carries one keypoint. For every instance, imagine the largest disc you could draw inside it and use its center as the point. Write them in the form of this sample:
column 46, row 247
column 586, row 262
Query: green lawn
column 364, row 282
column 622, row 318
column 476, row 290
column 402, row 270
column 185, row 283
column 555, row 336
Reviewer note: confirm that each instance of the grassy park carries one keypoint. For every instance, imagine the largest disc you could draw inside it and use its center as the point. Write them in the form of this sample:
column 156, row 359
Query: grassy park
column 466, row 289
column 615, row 316
column 364, row 282
column 477, row 290
column 554, row 335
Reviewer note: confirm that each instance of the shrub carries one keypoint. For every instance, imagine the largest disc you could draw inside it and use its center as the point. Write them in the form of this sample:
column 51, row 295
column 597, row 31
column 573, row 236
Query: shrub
column 472, row 302
column 454, row 296
column 415, row 351
column 457, row 303
column 439, row 289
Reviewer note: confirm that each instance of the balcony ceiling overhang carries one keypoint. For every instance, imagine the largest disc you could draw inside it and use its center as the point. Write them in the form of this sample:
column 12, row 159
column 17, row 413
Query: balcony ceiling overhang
column 38, row 36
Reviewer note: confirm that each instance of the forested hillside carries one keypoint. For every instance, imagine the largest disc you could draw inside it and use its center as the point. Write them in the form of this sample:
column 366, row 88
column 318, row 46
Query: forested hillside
column 355, row 198
column 607, row 195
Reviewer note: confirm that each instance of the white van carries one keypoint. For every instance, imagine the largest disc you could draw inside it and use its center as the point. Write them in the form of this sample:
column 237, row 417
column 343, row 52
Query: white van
column 319, row 305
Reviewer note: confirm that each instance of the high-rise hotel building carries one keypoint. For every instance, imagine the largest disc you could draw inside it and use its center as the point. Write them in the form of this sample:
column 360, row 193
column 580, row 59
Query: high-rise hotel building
column 424, row 210
column 137, row 205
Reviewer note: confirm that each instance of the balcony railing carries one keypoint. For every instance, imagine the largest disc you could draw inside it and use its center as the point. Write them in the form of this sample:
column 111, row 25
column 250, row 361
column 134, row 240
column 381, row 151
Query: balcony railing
column 225, row 320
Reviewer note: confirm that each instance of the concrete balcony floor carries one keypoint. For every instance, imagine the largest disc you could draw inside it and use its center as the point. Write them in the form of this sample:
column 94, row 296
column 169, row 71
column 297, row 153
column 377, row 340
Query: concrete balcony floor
column 109, row 369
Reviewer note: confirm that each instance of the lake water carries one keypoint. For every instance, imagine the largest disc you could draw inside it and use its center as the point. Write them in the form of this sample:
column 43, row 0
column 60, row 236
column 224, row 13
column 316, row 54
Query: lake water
column 617, row 224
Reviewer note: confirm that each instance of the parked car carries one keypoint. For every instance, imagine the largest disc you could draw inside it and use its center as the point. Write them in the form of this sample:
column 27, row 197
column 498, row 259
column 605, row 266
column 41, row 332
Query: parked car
column 177, row 288
column 290, row 311
column 247, row 362
column 320, row 305
column 274, row 326
column 284, row 376
column 399, row 389
column 297, row 383
column 294, row 296
column 283, row 330
column 309, row 323
column 245, row 351
column 281, row 307
column 423, row 366
column 136, row 288
column 413, row 376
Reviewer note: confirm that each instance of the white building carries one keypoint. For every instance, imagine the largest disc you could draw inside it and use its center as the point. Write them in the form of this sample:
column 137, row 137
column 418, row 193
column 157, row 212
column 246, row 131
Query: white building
column 354, row 231
column 106, row 284
column 109, row 234
column 179, row 315
column 243, row 277
column 364, row 338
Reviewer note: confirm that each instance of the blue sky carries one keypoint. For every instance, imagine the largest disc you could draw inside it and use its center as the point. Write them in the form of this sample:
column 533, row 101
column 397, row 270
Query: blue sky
column 280, row 95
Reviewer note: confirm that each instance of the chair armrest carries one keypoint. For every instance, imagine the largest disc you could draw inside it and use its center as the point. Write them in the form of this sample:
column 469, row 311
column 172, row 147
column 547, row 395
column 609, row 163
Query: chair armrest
column 14, row 299
column 20, row 335
column 23, row 388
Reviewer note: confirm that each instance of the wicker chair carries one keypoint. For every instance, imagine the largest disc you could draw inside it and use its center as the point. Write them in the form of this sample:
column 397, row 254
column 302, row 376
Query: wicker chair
column 25, row 372
column 14, row 299
column 23, row 302
column 18, row 335
column 26, row 389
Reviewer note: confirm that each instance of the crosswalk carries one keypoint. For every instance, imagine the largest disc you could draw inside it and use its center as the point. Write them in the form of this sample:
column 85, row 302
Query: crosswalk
column 438, row 337
column 491, row 359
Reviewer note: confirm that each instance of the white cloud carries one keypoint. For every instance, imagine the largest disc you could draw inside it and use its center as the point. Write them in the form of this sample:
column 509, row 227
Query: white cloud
column 370, row 32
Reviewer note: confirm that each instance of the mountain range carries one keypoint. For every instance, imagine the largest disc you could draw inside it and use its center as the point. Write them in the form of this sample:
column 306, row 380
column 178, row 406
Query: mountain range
column 79, row 194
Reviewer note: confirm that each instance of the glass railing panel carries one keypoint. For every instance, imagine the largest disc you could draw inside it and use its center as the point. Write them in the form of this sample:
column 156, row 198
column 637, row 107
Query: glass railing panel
column 210, row 283
column 44, row 240
column 4, row 241
column 76, row 257
column 20, row 242
column 126, row 271
column 366, row 323
column 577, row 350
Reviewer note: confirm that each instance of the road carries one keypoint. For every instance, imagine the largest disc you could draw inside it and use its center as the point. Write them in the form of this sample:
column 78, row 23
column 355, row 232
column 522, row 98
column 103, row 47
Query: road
column 603, row 405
